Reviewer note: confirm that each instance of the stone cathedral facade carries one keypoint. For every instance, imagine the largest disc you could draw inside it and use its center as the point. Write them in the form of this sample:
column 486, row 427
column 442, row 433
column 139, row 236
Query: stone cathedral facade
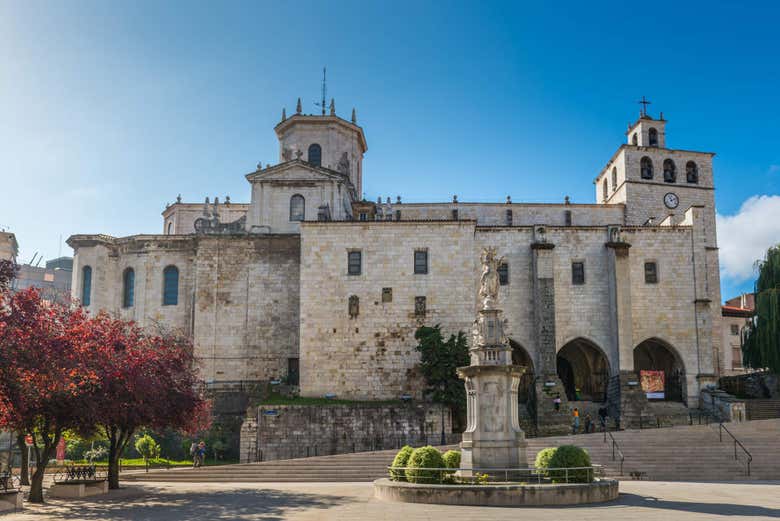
column 309, row 283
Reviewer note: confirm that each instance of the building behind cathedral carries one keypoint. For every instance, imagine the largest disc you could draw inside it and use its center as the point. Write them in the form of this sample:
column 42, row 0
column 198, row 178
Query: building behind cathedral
column 310, row 284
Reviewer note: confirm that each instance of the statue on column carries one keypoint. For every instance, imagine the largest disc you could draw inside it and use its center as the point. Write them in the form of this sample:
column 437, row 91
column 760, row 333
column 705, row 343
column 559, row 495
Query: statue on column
column 489, row 280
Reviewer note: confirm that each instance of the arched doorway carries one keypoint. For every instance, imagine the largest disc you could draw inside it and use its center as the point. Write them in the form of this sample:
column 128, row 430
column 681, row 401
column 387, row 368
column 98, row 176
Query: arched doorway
column 584, row 370
column 521, row 357
column 664, row 372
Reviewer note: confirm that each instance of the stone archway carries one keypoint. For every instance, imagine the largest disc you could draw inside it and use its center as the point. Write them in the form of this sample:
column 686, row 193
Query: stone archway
column 584, row 370
column 656, row 355
column 521, row 357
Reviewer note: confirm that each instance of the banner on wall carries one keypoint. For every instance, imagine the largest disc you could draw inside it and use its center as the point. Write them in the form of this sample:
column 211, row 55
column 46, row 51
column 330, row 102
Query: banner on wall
column 653, row 384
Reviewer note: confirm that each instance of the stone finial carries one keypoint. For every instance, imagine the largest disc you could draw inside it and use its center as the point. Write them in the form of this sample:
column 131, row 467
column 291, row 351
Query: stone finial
column 508, row 199
column 354, row 116
column 298, row 107
column 298, row 154
column 388, row 199
column 216, row 201
column 398, row 199
column 566, row 200
column 332, row 107
column 227, row 199
column 454, row 198
column 259, row 165
column 379, row 200
column 178, row 198
column 207, row 200
column 284, row 114
column 661, row 116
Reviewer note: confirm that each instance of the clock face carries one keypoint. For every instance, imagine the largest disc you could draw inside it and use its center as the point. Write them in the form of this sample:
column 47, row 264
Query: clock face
column 671, row 200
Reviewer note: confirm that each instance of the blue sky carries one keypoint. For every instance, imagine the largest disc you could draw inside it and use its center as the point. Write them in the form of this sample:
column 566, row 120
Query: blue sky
column 111, row 109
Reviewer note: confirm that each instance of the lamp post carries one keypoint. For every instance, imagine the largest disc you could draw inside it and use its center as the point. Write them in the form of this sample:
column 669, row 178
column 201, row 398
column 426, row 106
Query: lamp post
column 443, row 437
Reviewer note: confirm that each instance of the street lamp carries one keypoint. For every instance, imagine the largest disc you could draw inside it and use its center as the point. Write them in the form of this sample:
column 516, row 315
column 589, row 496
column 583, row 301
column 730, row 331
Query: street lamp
column 443, row 437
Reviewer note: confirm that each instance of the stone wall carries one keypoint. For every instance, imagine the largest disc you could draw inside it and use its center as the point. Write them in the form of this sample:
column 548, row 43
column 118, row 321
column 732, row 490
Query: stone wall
column 298, row 431
column 523, row 214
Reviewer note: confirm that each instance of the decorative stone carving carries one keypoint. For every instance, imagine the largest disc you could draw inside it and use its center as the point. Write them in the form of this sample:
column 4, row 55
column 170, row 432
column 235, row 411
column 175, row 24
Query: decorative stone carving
column 354, row 306
column 489, row 280
column 343, row 165
column 298, row 154
column 287, row 154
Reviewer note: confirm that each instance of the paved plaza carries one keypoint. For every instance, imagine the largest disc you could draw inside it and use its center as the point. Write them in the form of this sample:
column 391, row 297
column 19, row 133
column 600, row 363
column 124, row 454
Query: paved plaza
column 354, row 501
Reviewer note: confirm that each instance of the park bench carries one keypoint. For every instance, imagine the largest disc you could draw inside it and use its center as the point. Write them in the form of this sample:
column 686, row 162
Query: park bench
column 10, row 494
column 78, row 481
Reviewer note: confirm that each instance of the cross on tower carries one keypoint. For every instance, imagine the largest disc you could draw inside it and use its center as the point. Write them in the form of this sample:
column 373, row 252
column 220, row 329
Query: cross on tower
column 644, row 103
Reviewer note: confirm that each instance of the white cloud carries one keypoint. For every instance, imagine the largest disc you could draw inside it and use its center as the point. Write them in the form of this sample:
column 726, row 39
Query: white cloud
column 745, row 236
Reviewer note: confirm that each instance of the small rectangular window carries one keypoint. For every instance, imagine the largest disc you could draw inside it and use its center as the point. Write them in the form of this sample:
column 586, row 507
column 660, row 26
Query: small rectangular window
column 567, row 217
column 420, row 262
column 387, row 294
column 736, row 358
column 293, row 371
column 354, row 261
column 363, row 216
column 651, row 273
column 509, row 217
column 398, row 215
column 419, row 306
column 503, row 274
column 735, row 329
column 455, row 214
column 578, row 273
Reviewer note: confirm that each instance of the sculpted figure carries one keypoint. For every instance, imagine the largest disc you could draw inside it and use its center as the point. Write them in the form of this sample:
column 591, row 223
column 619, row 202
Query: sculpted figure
column 488, row 281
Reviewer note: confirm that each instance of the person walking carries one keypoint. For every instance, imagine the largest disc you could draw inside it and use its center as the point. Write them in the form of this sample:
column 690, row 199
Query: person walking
column 603, row 418
column 201, row 453
column 575, row 425
column 588, row 423
column 194, row 454
column 557, row 402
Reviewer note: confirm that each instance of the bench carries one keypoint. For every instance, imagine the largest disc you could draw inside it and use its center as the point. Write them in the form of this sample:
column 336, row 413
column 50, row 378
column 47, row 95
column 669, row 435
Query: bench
column 78, row 481
column 10, row 494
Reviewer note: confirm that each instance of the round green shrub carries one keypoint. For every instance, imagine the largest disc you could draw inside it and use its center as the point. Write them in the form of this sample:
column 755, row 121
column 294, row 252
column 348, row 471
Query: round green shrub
column 452, row 459
column 568, row 456
column 543, row 458
column 421, row 459
column 401, row 460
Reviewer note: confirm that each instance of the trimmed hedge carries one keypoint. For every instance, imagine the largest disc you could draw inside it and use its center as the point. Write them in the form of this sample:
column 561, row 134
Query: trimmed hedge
column 565, row 457
column 452, row 459
column 543, row 458
column 425, row 458
column 401, row 459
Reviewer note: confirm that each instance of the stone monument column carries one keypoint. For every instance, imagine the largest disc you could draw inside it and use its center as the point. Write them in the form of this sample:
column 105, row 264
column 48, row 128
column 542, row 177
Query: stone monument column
column 493, row 437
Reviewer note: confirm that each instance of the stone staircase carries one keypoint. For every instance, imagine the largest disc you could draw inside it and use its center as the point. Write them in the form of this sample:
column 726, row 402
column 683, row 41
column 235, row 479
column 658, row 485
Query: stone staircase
column 762, row 409
column 683, row 453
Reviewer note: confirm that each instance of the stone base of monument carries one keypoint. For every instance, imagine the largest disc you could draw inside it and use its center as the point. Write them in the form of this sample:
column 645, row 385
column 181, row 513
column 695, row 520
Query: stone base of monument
column 79, row 489
column 10, row 501
column 503, row 495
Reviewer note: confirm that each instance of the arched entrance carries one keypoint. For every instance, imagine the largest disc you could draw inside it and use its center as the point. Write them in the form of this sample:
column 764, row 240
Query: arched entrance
column 584, row 370
column 521, row 357
column 664, row 372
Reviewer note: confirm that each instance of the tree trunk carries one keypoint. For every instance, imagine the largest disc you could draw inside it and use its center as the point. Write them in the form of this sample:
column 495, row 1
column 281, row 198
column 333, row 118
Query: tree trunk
column 117, row 440
column 24, row 471
column 36, row 487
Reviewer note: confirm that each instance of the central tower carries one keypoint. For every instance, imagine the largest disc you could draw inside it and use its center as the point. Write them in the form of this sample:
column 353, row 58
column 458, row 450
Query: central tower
column 493, row 437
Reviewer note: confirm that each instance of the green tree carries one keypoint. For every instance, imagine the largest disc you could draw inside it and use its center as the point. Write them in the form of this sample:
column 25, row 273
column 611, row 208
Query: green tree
column 147, row 447
column 439, row 361
column 761, row 348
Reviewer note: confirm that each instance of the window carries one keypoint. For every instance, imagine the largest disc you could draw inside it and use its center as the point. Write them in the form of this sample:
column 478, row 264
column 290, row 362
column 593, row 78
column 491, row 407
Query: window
column 578, row 273
column 634, row 140
column 736, row 357
column 691, row 172
column 651, row 273
column 652, row 136
column 293, row 371
column 86, row 285
column 605, row 189
column 646, row 167
column 297, row 208
column 398, row 215
column 170, row 286
column 128, row 288
column 387, row 295
column 567, row 217
column 670, row 171
column 455, row 214
column 735, row 329
column 315, row 155
column 363, row 216
column 503, row 274
column 170, row 228
column 509, row 217
column 419, row 306
column 354, row 306
column 421, row 262
column 354, row 262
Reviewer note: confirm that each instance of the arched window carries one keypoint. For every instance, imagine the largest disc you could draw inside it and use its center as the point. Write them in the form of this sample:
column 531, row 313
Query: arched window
column 670, row 171
column 315, row 154
column 646, row 167
column 605, row 189
column 86, row 285
column 691, row 172
column 170, row 228
column 652, row 137
column 170, row 286
column 297, row 208
column 634, row 140
column 614, row 178
column 128, row 288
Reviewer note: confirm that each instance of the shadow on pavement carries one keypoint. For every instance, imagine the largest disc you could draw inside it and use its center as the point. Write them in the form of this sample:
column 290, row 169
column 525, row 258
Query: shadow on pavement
column 715, row 509
column 165, row 505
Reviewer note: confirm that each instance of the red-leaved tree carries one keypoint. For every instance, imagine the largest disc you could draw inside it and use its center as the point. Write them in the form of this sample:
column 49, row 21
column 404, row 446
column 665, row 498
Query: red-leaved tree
column 145, row 381
column 47, row 384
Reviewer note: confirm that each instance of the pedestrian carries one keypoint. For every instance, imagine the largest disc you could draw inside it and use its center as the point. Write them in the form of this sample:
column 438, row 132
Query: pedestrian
column 201, row 453
column 194, row 453
column 603, row 418
column 575, row 426
column 588, row 423
column 557, row 402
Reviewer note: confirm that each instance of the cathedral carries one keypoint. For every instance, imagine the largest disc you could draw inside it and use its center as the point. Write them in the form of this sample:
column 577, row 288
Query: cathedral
column 615, row 302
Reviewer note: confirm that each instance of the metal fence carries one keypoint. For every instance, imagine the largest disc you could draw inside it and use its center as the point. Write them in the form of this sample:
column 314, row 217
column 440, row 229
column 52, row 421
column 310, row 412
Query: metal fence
column 484, row 476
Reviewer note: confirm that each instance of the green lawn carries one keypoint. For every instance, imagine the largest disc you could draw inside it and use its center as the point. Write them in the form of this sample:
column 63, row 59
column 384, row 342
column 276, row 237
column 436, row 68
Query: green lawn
column 300, row 400
column 159, row 462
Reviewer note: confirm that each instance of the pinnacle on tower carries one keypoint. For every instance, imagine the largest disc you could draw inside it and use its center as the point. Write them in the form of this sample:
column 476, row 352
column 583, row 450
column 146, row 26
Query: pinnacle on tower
column 354, row 116
column 332, row 107
column 298, row 107
column 284, row 114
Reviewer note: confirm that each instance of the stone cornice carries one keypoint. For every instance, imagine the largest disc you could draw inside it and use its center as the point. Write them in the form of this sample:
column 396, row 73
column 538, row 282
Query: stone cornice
column 284, row 125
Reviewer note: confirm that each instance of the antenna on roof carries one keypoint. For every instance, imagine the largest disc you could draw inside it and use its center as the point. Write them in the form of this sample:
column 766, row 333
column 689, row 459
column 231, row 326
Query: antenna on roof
column 324, row 92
